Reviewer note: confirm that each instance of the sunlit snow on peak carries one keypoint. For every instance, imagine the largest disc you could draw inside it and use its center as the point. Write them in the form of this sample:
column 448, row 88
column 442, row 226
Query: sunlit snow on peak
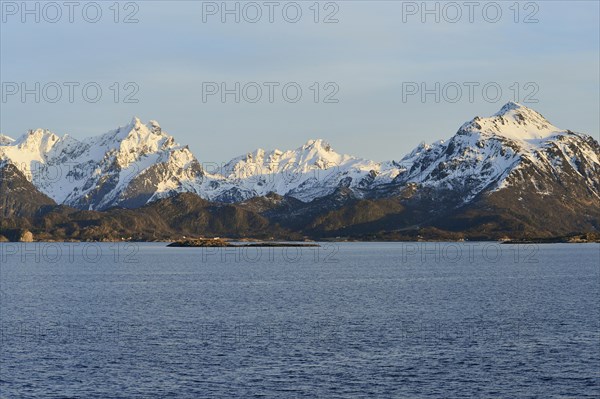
column 513, row 121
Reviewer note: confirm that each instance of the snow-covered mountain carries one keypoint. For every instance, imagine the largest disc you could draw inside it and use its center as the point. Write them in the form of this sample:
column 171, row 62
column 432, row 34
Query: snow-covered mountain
column 311, row 171
column 515, row 146
column 139, row 163
column 128, row 166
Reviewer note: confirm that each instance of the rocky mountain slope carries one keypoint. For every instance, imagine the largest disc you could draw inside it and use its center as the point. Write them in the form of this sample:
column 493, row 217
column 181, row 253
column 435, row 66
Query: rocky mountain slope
column 18, row 197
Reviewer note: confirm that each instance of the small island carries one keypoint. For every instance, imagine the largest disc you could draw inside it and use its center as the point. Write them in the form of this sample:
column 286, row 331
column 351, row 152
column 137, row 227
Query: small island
column 219, row 242
column 570, row 239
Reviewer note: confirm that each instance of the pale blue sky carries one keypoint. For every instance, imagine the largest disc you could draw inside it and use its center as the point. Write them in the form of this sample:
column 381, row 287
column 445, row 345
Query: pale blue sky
column 369, row 53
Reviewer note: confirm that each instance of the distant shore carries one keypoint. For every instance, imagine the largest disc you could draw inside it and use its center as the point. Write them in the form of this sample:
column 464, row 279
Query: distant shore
column 251, row 242
column 579, row 239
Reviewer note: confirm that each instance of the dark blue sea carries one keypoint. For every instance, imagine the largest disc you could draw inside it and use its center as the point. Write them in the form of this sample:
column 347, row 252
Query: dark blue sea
column 346, row 320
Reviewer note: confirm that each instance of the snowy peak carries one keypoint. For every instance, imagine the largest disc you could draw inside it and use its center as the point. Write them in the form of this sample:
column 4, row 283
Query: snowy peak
column 39, row 140
column 314, row 154
column 135, row 129
column 514, row 121
column 523, row 116
column 135, row 141
column 510, row 106
column 317, row 145
column 34, row 146
column 137, row 125
column 320, row 154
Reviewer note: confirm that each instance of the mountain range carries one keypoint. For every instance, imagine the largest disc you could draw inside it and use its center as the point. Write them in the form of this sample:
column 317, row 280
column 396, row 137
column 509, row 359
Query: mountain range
column 511, row 174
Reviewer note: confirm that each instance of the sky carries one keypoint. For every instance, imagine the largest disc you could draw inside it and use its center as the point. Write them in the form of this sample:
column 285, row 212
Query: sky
column 372, row 78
